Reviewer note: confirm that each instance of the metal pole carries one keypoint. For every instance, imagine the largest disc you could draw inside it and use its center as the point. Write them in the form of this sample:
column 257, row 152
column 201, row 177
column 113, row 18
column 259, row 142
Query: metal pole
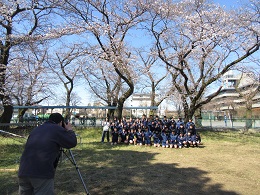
column 73, row 161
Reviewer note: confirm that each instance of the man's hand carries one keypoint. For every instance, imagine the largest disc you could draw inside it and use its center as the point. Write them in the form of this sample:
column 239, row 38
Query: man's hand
column 68, row 126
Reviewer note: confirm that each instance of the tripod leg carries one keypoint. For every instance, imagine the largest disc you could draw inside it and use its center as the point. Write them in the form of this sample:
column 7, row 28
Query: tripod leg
column 77, row 168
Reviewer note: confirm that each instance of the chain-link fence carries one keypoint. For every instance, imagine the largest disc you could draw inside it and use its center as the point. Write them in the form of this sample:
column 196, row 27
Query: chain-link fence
column 230, row 123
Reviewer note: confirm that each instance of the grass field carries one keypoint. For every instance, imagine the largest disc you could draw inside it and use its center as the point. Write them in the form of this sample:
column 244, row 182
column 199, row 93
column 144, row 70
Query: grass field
column 226, row 163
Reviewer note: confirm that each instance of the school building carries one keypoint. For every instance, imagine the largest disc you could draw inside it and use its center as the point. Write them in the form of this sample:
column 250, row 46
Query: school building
column 238, row 91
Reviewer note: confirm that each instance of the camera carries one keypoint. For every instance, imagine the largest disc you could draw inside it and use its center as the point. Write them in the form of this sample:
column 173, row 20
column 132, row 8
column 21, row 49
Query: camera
column 64, row 123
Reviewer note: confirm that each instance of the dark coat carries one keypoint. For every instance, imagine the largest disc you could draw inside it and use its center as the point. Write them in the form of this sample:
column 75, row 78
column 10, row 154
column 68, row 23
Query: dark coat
column 42, row 150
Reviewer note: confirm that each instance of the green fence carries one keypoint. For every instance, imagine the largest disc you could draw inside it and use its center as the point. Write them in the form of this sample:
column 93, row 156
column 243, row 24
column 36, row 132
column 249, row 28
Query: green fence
column 230, row 123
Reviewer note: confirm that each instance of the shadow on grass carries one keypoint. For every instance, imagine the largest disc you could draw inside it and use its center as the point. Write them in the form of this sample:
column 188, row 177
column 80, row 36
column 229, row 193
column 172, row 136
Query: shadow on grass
column 111, row 171
column 9, row 182
column 119, row 170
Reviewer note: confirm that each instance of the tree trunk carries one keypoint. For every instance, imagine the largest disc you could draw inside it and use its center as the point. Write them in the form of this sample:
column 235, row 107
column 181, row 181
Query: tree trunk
column 21, row 113
column 111, row 114
column 248, row 118
column 119, row 111
column 198, row 118
column 7, row 114
column 67, row 114
column 188, row 112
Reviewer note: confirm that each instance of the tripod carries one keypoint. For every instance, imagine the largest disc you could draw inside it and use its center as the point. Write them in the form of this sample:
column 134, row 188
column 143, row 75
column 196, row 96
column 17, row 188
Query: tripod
column 73, row 161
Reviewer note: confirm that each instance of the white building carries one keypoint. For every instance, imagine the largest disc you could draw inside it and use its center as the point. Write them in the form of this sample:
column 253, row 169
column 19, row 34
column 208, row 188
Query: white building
column 237, row 89
column 140, row 100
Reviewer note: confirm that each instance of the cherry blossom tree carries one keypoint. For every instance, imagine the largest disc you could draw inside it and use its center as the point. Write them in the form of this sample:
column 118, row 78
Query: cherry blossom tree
column 26, row 81
column 199, row 42
column 22, row 22
column 65, row 64
column 154, row 78
column 108, row 24
column 248, row 87
column 103, row 82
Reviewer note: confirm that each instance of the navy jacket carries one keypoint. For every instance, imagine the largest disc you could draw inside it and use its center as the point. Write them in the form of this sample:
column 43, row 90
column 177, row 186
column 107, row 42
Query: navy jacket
column 42, row 149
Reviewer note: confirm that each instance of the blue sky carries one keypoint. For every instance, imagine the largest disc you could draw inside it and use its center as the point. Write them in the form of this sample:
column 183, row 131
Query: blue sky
column 229, row 4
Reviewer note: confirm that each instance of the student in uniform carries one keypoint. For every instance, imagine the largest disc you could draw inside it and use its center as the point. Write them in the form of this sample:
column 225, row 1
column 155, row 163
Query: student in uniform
column 123, row 136
column 166, row 130
column 190, row 140
column 190, row 123
column 156, row 139
column 172, row 122
column 144, row 121
column 190, row 127
column 179, row 122
column 181, row 129
column 152, row 126
column 131, row 136
column 181, row 140
column 139, row 137
column 165, row 121
column 147, row 137
column 198, row 139
column 115, row 136
column 164, row 139
column 172, row 127
column 185, row 141
column 193, row 140
column 173, row 139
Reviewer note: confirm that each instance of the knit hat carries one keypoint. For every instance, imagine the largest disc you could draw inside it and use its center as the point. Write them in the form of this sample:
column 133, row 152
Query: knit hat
column 56, row 118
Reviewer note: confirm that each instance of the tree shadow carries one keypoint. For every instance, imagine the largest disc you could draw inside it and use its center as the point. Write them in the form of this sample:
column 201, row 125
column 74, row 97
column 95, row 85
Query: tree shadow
column 131, row 172
column 107, row 170
column 9, row 182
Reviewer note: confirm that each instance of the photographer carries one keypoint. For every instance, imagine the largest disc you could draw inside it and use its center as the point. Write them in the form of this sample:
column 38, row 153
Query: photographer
column 41, row 155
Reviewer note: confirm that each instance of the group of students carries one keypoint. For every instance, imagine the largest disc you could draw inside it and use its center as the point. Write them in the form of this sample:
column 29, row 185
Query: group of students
column 152, row 131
